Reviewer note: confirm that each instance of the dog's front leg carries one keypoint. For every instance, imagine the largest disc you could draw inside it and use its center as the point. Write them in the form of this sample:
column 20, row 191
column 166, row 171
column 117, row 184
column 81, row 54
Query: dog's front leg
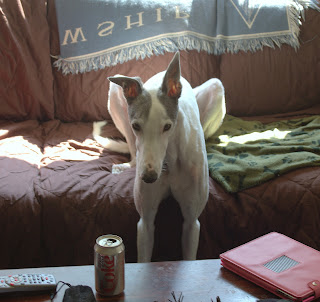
column 190, row 238
column 192, row 195
column 145, row 239
column 147, row 198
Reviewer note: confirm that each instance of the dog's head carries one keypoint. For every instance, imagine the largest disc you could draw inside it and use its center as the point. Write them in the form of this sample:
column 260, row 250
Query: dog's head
column 152, row 109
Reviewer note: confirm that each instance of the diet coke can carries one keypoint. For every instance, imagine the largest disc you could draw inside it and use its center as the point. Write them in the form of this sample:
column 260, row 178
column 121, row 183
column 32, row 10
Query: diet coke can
column 109, row 265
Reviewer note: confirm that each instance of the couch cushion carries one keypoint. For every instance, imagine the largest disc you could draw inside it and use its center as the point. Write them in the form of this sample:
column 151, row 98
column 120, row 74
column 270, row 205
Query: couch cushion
column 274, row 81
column 20, row 212
column 83, row 97
column 25, row 69
column 80, row 198
column 289, row 204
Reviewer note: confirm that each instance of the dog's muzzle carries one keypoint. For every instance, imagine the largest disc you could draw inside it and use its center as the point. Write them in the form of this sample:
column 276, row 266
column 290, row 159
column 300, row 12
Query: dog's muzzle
column 149, row 177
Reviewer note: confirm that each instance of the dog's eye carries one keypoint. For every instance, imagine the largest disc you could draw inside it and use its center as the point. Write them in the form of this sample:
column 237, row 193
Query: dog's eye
column 166, row 127
column 136, row 126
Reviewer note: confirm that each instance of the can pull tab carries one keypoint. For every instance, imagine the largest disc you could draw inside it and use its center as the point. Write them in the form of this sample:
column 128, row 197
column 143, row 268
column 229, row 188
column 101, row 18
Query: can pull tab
column 315, row 286
column 111, row 241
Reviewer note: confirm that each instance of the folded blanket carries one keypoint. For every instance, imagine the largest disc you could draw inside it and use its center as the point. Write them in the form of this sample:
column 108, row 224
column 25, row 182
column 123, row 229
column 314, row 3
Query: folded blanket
column 243, row 154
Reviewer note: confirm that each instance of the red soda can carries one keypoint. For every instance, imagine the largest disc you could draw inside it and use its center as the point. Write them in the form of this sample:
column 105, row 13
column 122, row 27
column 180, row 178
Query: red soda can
column 109, row 265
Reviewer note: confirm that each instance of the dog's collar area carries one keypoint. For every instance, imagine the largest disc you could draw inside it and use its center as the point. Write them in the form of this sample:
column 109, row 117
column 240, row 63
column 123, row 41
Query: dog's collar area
column 165, row 167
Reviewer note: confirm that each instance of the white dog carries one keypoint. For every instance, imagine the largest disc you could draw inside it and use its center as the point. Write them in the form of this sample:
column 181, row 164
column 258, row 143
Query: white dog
column 165, row 123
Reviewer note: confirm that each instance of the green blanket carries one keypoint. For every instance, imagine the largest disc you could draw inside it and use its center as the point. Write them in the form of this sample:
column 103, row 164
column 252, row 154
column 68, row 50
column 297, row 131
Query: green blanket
column 243, row 154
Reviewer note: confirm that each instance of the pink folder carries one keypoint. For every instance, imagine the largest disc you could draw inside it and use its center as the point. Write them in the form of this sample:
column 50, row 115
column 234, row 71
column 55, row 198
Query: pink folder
column 281, row 265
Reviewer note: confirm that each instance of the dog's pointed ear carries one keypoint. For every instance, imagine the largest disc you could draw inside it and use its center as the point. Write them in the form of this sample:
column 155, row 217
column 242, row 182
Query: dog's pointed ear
column 132, row 86
column 171, row 85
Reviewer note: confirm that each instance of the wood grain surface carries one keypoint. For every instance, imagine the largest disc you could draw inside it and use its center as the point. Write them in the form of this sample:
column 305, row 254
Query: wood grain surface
column 200, row 280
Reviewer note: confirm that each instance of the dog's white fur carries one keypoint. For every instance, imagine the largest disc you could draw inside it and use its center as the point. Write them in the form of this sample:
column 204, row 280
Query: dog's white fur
column 180, row 149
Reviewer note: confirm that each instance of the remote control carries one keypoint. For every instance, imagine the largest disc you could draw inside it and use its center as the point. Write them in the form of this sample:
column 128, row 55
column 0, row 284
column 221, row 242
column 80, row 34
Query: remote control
column 27, row 282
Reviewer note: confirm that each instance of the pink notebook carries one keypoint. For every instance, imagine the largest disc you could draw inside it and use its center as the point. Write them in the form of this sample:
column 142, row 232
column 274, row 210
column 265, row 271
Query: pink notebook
column 281, row 265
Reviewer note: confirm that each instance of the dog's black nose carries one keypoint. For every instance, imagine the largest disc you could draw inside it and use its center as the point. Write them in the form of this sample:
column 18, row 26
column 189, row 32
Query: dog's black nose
column 149, row 177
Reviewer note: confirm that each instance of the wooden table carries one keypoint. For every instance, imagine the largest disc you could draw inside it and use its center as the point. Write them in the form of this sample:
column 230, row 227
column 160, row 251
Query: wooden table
column 200, row 280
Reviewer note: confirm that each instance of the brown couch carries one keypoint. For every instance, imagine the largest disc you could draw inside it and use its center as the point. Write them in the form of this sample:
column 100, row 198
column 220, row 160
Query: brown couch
column 57, row 194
